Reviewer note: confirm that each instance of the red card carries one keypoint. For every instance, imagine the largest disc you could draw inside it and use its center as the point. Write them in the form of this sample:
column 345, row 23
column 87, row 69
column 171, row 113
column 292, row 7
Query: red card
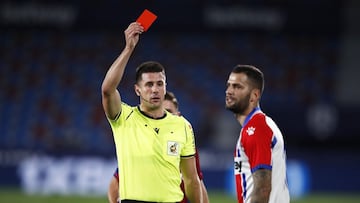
column 146, row 19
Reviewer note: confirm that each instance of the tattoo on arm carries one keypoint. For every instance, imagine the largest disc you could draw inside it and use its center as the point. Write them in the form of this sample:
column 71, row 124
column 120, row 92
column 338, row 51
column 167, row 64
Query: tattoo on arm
column 262, row 186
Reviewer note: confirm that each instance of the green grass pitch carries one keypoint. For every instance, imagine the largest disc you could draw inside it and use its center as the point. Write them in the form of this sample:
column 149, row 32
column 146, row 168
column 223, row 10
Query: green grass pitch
column 16, row 196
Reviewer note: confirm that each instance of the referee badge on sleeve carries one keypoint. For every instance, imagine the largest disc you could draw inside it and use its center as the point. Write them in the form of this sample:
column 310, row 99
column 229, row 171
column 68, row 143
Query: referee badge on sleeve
column 172, row 148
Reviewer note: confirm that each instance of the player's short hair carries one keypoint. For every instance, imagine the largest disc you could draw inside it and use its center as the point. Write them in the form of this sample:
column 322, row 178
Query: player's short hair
column 254, row 74
column 148, row 67
column 171, row 97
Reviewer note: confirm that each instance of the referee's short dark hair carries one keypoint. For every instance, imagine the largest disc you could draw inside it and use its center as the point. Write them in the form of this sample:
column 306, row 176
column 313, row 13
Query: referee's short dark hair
column 148, row 67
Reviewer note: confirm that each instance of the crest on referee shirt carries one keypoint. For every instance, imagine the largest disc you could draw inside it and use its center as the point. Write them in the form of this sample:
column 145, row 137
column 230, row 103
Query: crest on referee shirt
column 172, row 148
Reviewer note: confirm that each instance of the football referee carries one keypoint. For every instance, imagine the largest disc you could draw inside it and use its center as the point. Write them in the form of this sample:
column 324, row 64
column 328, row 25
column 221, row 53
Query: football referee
column 152, row 145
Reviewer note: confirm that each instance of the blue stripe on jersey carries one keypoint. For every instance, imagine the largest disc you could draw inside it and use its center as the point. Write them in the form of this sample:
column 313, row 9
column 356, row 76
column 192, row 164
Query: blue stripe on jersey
column 273, row 142
column 244, row 185
column 250, row 115
column 264, row 166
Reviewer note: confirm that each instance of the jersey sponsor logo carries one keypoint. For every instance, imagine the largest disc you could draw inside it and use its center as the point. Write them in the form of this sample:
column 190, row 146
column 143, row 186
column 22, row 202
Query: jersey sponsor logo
column 250, row 131
column 172, row 148
column 237, row 165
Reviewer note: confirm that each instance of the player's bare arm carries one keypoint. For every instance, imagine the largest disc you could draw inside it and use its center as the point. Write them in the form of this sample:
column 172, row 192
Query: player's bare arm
column 262, row 186
column 191, row 179
column 111, row 99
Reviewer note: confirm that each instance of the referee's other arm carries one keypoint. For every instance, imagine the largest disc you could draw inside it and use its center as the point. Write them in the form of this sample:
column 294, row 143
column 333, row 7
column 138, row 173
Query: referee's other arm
column 191, row 179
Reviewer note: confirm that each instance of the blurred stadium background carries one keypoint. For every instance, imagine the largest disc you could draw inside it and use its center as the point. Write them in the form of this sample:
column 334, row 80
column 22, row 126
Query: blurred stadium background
column 56, row 145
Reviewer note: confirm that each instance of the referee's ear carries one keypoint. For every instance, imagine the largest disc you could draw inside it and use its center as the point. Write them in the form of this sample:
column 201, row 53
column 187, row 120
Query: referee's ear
column 137, row 91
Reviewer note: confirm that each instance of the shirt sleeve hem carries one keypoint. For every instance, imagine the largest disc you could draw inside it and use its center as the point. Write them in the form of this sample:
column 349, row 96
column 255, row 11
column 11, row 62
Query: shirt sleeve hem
column 261, row 166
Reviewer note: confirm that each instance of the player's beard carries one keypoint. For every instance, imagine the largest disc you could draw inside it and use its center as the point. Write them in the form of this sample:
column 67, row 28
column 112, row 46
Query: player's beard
column 240, row 106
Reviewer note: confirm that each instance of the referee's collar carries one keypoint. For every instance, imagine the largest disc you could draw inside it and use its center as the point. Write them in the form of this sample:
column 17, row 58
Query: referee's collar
column 145, row 114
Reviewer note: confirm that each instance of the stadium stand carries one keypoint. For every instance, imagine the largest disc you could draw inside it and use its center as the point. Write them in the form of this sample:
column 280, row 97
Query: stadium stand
column 50, row 81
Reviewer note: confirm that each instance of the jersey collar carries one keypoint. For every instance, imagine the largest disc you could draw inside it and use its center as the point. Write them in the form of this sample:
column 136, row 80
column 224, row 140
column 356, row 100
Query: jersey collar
column 248, row 117
column 143, row 113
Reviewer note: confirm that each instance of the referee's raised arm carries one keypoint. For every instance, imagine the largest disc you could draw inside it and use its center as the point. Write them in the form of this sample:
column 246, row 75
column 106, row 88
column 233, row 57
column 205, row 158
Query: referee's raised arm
column 111, row 99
